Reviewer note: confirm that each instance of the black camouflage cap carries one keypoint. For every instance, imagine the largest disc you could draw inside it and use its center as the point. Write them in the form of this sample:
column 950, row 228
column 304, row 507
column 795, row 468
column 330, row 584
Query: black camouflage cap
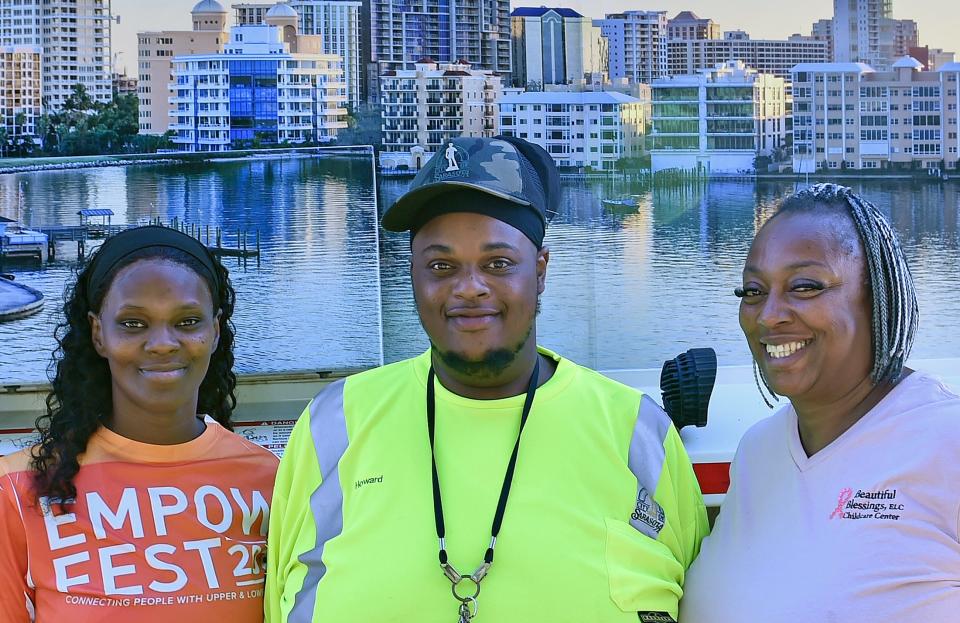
column 505, row 167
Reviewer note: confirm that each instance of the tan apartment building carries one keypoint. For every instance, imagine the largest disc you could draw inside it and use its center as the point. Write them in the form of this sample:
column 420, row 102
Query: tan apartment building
column 155, row 55
column 21, row 90
column 688, row 25
column 848, row 116
column 767, row 56
column 425, row 107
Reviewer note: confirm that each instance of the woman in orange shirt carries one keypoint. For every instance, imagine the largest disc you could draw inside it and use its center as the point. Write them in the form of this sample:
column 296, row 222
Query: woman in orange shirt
column 138, row 503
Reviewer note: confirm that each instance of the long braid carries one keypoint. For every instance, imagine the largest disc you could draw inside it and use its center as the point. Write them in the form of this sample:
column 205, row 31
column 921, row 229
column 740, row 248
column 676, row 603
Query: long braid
column 895, row 314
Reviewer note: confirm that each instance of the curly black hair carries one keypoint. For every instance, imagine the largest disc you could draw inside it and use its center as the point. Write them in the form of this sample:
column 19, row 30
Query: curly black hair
column 81, row 397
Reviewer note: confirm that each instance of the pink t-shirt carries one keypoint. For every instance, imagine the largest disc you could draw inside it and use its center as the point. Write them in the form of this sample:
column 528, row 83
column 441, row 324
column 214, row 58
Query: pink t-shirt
column 863, row 531
column 157, row 534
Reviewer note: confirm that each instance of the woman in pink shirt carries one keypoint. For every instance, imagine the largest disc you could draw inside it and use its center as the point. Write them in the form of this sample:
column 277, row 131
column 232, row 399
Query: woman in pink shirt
column 844, row 505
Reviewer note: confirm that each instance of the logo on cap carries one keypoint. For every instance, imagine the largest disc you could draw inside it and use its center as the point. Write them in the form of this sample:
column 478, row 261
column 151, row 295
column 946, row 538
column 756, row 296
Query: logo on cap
column 456, row 164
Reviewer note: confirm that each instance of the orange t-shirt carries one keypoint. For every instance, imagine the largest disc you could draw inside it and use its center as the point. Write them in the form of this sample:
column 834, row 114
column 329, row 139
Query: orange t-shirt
column 157, row 534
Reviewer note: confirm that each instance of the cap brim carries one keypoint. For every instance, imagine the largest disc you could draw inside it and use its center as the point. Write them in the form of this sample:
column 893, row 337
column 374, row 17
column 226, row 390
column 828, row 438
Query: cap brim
column 402, row 215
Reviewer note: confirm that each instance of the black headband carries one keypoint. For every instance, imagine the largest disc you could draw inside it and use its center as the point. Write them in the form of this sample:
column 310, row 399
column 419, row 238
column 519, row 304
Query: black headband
column 129, row 241
column 523, row 218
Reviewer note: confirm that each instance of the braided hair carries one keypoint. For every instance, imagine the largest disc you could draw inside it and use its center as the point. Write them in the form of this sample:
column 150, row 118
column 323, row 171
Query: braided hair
column 894, row 299
column 81, row 397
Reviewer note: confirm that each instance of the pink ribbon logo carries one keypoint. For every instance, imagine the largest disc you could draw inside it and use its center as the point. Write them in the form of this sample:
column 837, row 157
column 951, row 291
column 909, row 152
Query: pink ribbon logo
column 845, row 494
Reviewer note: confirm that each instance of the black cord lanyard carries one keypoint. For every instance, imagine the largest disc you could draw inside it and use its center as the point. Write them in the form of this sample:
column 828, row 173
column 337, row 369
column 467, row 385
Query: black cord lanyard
column 466, row 613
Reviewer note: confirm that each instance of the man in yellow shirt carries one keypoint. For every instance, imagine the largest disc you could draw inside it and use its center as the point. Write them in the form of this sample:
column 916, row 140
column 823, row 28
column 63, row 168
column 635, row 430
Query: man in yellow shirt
column 487, row 479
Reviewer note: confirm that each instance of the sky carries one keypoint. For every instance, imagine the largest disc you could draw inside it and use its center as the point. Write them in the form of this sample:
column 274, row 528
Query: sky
column 763, row 19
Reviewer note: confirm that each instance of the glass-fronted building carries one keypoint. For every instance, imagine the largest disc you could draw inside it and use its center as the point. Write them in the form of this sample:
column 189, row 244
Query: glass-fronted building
column 258, row 93
column 719, row 120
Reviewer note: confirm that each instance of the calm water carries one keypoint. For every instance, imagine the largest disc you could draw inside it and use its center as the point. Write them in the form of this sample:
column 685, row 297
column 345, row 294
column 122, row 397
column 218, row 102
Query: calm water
column 623, row 290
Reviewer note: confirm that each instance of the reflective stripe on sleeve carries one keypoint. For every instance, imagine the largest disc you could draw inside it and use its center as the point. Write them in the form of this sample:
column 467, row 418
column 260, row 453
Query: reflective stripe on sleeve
column 646, row 459
column 328, row 427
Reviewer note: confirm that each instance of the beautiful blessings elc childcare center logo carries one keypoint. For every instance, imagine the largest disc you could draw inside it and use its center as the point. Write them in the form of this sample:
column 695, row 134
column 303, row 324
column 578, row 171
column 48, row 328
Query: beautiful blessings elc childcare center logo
column 879, row 504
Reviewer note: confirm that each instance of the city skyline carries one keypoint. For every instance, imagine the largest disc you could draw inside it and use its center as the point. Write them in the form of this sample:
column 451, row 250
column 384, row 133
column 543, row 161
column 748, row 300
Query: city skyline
column 936, row 19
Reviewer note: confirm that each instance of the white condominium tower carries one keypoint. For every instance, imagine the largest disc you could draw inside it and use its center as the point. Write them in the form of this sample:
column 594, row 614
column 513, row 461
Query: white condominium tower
column 637, row 44
column 74, row 36
column 864, row 31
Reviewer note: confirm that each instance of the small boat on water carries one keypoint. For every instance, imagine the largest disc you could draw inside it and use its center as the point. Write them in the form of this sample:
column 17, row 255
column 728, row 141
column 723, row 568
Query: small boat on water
column 17, row 241
column 623, row 204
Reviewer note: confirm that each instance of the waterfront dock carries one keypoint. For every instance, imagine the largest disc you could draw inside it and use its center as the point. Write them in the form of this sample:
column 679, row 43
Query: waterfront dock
column 215, row 239
column 18, row 300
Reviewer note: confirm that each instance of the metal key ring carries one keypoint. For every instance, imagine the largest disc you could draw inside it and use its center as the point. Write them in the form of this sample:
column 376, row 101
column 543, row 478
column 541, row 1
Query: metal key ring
column 464, row 598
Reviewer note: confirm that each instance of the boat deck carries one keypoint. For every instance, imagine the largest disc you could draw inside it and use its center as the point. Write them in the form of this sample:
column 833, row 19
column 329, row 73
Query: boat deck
column 17, row 301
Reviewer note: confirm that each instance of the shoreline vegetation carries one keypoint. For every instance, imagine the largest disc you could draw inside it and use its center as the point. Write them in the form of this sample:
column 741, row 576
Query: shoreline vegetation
column 664, row 177
column 60, row 163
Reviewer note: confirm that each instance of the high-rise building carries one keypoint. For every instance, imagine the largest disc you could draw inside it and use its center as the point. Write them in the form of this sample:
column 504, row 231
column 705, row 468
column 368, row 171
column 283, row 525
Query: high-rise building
column 155, row 54
column 767, row 56
column 555, row 46
column 687, row 25
column 897, row 36
column 21, row 91
column 338, row 22
column 636, row 45
column 270, row 86
column 578, row 129
column 476, row 32
column 856, row 29
column 822, row 30
column 124, row 84
column 75, row 39
column 849, row 116
column 719, row 120
column 426, row 106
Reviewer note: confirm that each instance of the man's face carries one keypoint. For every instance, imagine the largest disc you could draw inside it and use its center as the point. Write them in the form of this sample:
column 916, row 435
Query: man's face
column 476, row 281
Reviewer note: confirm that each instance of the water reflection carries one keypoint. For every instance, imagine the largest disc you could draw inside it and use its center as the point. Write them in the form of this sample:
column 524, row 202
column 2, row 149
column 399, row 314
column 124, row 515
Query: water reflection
column 631, row 290
column 626, row 289
column 298, row 309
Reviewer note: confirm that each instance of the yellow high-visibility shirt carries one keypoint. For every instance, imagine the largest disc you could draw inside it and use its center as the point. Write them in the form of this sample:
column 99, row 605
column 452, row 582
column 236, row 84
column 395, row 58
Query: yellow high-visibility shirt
column 603, row 518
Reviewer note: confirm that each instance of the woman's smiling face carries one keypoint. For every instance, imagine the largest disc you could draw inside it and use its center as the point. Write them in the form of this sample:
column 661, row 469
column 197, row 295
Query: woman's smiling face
column 157, row 329
column 806, row 308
